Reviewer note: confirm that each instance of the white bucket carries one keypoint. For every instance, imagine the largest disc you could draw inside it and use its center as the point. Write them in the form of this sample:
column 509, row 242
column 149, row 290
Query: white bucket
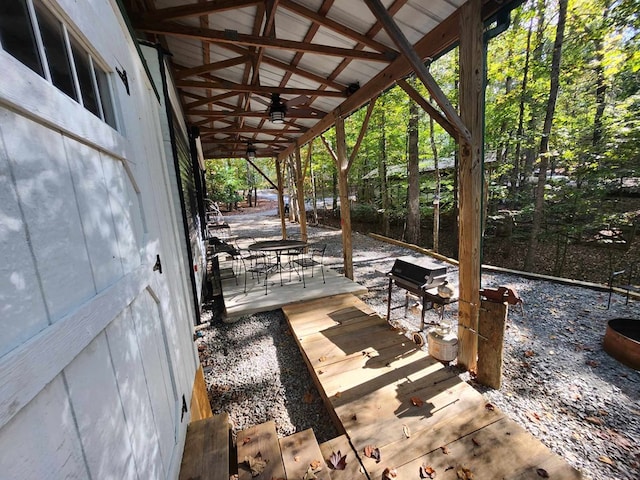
column 442, row 346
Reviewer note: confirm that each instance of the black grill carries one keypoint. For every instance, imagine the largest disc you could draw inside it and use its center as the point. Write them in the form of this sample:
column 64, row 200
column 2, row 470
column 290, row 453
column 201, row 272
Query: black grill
column 421, row 276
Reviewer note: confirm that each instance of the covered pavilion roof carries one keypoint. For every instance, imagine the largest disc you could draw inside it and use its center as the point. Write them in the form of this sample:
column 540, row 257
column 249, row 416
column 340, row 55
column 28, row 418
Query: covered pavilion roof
column 231, row 60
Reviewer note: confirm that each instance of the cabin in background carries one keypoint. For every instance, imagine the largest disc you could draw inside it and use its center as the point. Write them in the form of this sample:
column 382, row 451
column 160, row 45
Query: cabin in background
column 102, row 248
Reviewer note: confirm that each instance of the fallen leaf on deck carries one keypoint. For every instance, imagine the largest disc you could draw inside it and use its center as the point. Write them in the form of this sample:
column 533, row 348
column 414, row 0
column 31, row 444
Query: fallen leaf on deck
column 354, row 417
column 605, row 459
column 320, row 372
column 406, row 431
column 417, row 401
column 338, row 394
column 322, row 359
column 372, row 452
column 296, row 458
column 489, row 407
column 309, row 475
column 315, row 465
column 337, row 461
column 427, row 472
column 246, row 440
column 308, row 398
column 542, row 473
column 464, row 473
column 389, row 473
column 445, row 450
column 256, row 464
column 475, row 442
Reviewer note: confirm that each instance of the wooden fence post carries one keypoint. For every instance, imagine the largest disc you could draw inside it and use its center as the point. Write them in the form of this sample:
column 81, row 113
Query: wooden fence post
column 491, row 325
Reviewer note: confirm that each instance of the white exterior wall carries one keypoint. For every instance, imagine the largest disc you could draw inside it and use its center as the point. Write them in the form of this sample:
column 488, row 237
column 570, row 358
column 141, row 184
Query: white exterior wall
column 96, row 348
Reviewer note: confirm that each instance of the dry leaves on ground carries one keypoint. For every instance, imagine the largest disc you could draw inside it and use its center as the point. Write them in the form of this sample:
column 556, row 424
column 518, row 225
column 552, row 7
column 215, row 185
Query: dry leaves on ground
column 417, row 401
column 426, row 471
column 256, row 464
column 337, row 461
column 309, row 398
column 389, row 473
column 372, row 452
column 464, row 473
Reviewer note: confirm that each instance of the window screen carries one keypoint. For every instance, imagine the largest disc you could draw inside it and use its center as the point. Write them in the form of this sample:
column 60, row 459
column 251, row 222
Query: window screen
column 85, row 78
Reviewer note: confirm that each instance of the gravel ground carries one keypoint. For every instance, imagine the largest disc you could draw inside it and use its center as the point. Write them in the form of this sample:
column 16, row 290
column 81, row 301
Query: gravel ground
column 558, row 383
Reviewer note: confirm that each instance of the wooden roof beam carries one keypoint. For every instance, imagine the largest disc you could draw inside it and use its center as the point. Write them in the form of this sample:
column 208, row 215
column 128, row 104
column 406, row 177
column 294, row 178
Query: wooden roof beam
column 422, row 72
column 427, row 107
column 291, row 113
column 290, row 68
column 226, row 36
column 239, row 88
column 326, row 22
column 198, row 9
column 184, row 72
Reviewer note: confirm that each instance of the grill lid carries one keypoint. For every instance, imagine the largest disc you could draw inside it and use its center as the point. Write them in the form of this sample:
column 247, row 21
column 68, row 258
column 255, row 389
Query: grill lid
column 419, row 271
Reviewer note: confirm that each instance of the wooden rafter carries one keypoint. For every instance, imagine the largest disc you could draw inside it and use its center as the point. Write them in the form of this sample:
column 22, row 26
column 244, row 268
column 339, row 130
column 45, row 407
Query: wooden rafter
column 196, row 10
column 427, row 107
column 209, row 67
column 323, row 21
column 237, row 87
column 377, row 8
column 291, row 113
column 225, row 36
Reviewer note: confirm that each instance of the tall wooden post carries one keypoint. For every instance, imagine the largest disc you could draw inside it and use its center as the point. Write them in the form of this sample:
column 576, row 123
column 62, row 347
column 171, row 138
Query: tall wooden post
column 470, row 178
column 343, row 186
column 300, row 195
column 283, row 222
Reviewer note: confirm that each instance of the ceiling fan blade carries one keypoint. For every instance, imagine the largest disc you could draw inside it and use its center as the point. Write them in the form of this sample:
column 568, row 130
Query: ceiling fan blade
column 301, row 99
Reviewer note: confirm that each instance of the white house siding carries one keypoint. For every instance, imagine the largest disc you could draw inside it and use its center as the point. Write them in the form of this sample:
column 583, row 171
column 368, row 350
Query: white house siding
column 96, row 349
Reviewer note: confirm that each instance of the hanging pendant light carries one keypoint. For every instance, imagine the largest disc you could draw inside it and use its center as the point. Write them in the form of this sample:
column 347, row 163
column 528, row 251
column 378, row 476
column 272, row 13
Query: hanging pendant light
column 251, row 151
column 277, row 110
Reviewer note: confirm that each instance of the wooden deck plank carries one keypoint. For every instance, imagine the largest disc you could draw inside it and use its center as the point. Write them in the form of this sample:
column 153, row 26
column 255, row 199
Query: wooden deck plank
column 368, row 375
column 502, row 449
column 261, row 439
column 206, row 450
column 353, row 469
column 299, row 452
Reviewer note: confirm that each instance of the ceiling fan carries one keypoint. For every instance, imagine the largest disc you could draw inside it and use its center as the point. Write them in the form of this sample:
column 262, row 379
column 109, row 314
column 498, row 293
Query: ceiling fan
column 278, row 108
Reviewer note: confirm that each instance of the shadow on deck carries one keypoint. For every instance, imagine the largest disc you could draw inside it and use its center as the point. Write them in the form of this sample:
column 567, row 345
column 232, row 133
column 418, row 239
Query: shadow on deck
column 384, row 391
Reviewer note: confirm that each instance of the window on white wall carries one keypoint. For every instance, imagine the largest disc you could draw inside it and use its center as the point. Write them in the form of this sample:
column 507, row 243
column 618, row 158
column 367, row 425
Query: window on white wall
column 17, row 35
column 36, row 37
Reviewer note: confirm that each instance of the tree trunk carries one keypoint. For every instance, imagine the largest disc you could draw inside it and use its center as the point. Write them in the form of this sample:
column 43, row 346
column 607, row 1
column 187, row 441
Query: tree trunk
column 536, row 59
column 313, row 189
column 601, row 85
column 538, row 213
column 413, row 171
column 436, row 193
column 515, row 178
column 334, row 185
column 382, row 174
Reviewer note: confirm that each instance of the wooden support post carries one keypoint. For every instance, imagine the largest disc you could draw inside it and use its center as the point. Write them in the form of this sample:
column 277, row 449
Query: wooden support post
column 343, row 186
column 283, row 222
column 470, row 178
column 493, row 316
column 300, row 195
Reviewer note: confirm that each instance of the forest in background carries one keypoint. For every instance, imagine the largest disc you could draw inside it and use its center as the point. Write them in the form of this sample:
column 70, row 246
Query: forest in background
column 562, row 148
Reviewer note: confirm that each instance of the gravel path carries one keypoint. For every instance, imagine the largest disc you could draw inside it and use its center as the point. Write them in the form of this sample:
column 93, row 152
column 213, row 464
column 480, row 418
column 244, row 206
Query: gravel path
column 558, row 383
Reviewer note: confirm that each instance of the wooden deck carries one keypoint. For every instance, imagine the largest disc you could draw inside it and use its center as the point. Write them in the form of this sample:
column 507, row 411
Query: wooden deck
column 383, row 391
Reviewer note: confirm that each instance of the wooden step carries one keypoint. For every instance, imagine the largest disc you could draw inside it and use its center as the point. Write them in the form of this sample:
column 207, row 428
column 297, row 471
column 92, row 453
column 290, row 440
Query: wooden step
column 353, row 469
column 263, row 440
column 299, row 452
column 206, row 449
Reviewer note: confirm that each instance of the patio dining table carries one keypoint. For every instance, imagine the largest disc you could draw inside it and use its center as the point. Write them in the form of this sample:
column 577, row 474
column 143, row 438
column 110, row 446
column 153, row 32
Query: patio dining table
column 279, row 247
